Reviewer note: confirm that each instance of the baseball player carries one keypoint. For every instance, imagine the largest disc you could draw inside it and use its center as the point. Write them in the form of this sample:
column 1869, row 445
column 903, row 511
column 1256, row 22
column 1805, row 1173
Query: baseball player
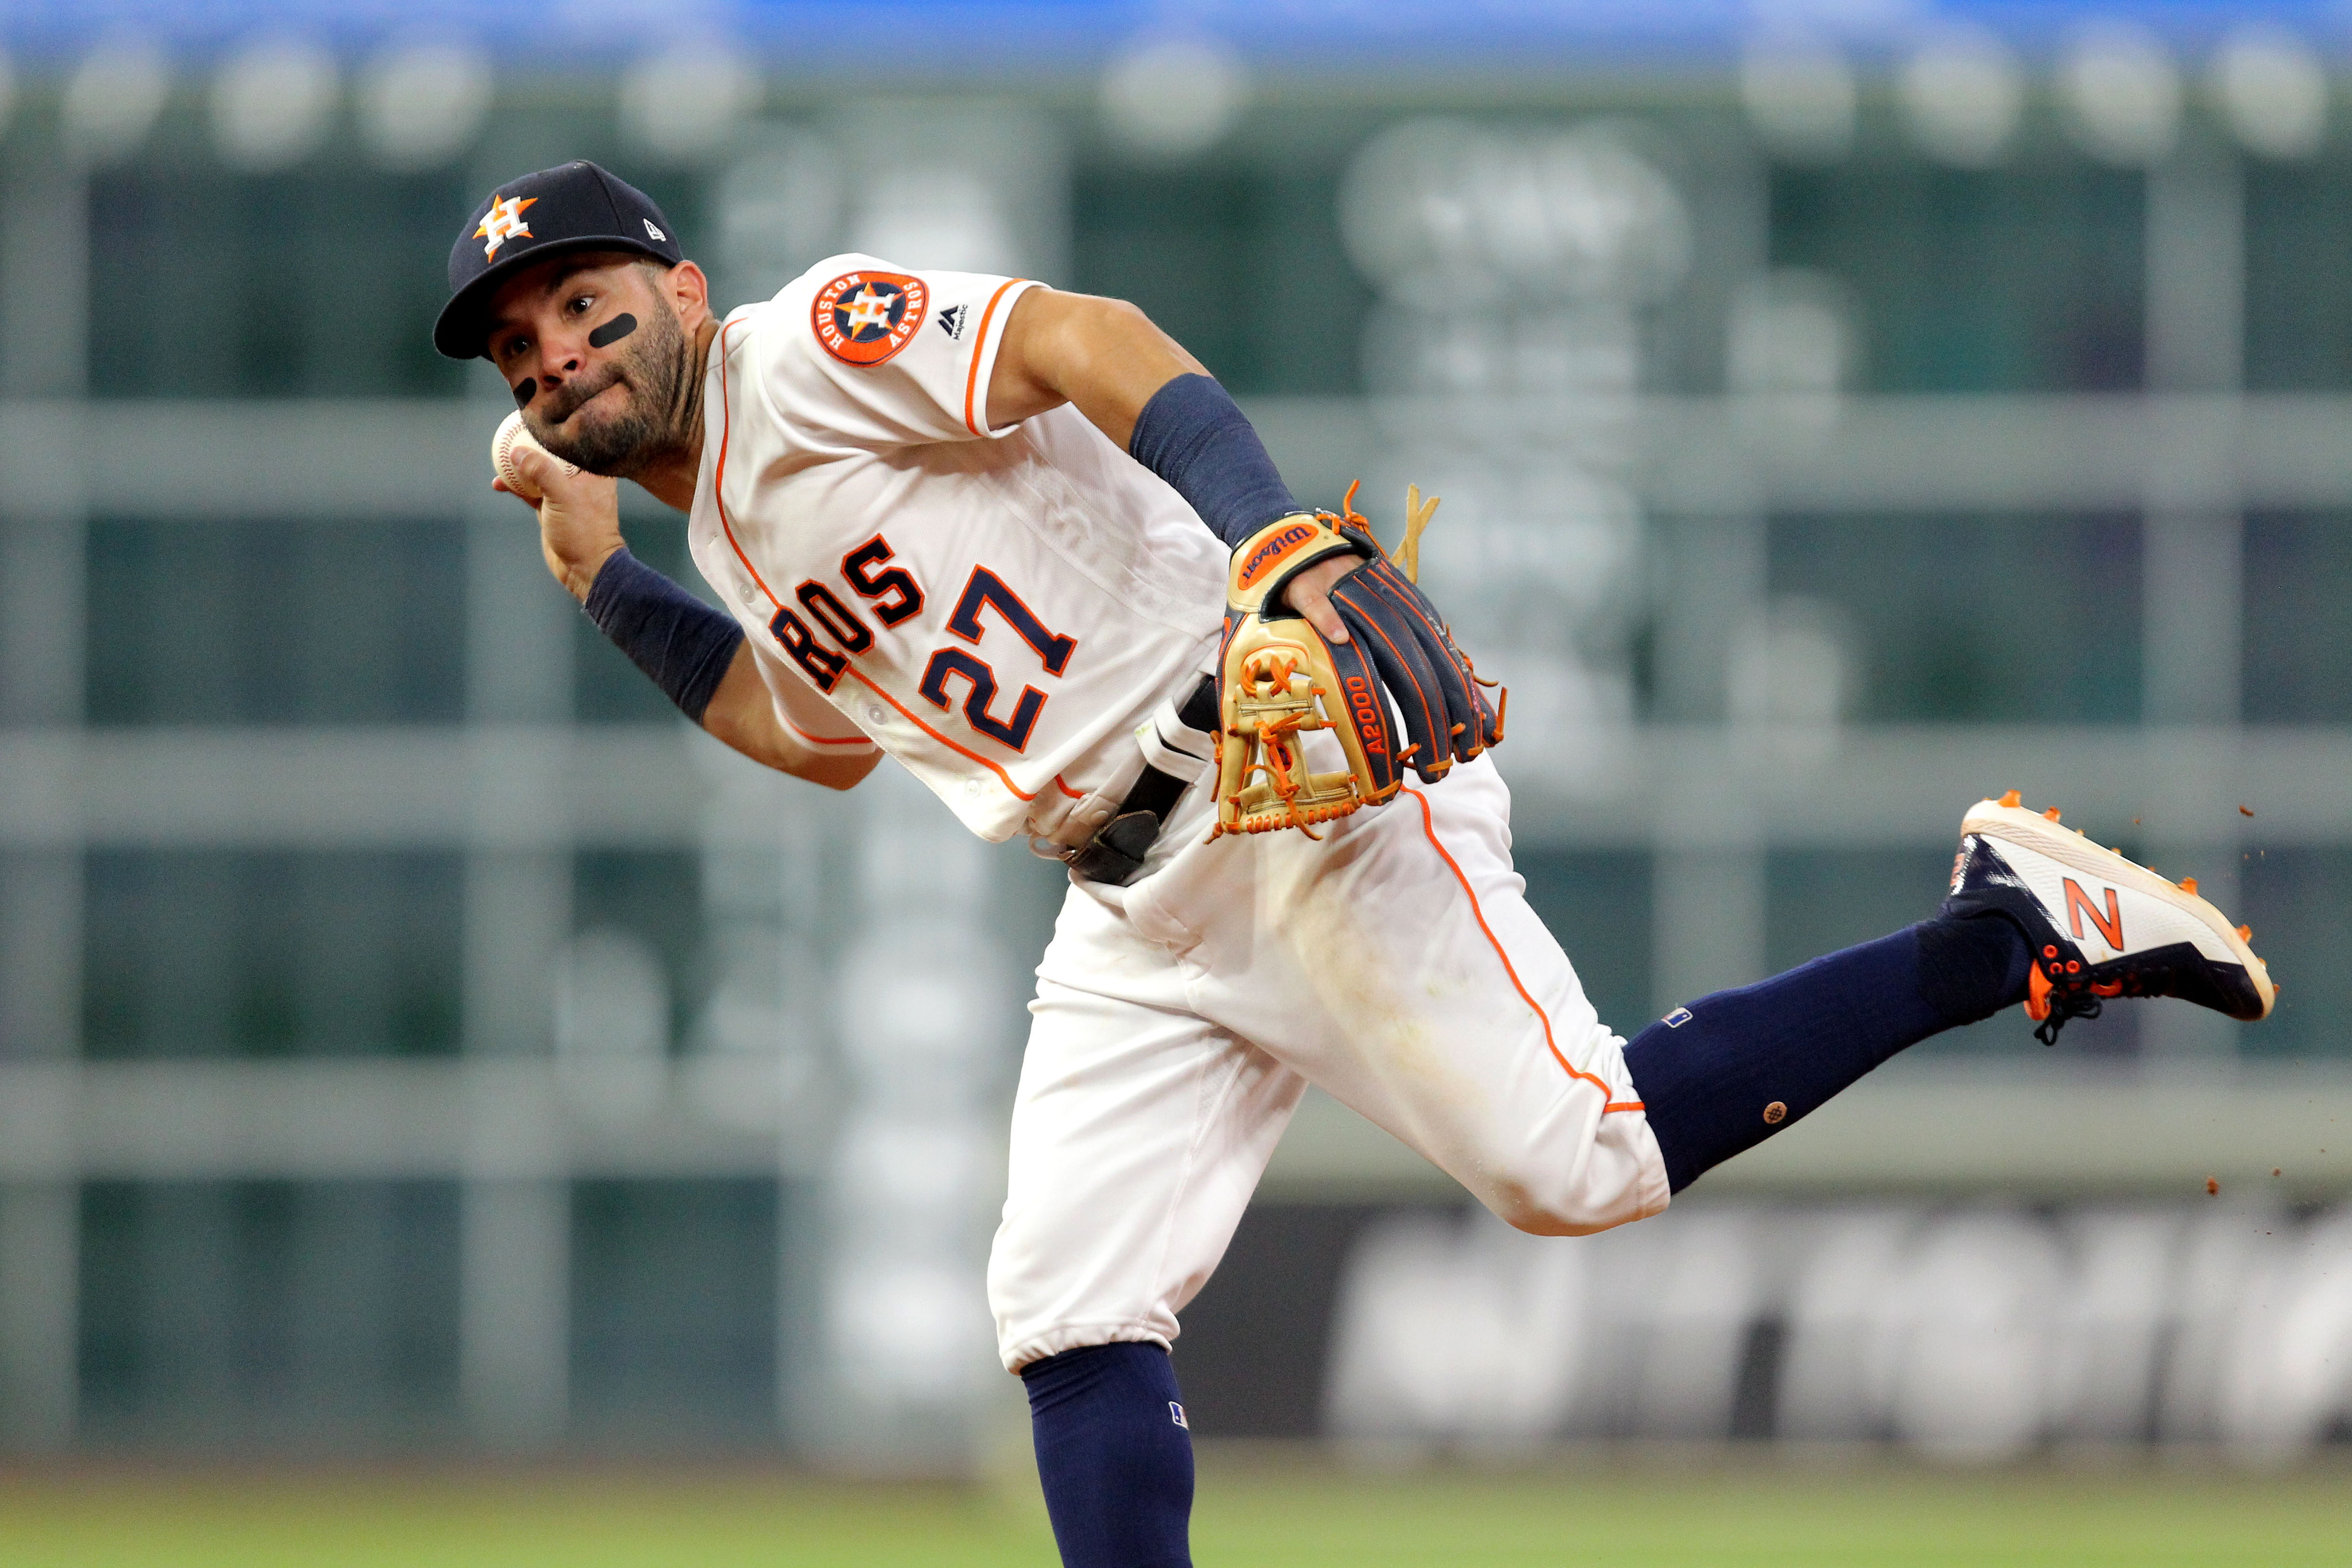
column 1020, row 541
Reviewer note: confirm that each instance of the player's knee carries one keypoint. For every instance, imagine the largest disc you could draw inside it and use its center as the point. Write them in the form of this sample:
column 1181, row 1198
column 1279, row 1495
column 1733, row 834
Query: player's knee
column 1524, row 1207
column 1540, row 1211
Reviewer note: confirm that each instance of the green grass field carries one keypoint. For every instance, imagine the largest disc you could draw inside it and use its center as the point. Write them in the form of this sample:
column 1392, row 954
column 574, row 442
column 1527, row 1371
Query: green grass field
column 1276, row 1512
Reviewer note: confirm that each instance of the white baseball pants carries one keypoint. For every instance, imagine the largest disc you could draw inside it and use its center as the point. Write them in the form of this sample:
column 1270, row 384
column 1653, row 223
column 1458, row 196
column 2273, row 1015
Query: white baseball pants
column 1395, row 964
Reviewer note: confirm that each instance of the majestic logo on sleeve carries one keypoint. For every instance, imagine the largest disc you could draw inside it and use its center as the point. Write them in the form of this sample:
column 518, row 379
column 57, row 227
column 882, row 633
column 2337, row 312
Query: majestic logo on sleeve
column 504, row 221
column 864, row 318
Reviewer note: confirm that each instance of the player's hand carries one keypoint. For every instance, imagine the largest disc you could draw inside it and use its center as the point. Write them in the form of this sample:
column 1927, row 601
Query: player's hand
column 579, row 517
column 1310, row 595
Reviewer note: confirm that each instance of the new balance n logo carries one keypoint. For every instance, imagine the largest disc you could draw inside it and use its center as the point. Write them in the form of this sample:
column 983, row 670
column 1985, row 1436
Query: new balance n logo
column 2078, row 904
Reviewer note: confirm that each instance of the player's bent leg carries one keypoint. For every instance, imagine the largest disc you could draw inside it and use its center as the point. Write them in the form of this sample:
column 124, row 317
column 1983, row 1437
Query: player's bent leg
column 1397, row 965
column 1724, row 1073
column 2037, row 914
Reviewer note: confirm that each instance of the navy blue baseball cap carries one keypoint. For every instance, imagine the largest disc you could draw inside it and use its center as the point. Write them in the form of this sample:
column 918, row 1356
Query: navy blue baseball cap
column 574, row 207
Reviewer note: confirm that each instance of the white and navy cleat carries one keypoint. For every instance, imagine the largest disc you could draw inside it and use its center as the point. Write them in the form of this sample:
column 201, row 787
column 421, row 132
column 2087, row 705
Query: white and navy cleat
column 2101, row 926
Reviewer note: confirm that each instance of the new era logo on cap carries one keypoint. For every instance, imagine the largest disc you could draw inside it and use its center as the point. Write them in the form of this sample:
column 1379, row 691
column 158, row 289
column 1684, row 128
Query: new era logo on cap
column 574, row 207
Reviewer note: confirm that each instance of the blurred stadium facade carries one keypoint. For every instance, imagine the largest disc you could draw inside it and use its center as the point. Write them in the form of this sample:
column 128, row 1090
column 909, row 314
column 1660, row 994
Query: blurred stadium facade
column 413, row 1034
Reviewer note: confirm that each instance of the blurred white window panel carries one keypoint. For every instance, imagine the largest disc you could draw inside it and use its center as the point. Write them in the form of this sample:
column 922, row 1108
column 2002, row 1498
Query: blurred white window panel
column 922, row 1038
column 2109, row 1330
column 1971, row 1381
column 1793, row 351
column 1692, row 1310
column 612, row 1024
column 687, row 103
column 2122, row 92
column 1791, row 667
column 1963, row 94
column 1531, row 550
column 2273, row 88
column 778, row 210
column 2287, row 1383
column 934, row 214
column 273, row 104
column 1173, row 97
column 1800, row 98
column 905, row 1174
column 907, row 1328
column 1487, row 347
column 113, row 99
column 1455, row 1328
column 1450, row 215
column 1792, row 331
column 421, row 105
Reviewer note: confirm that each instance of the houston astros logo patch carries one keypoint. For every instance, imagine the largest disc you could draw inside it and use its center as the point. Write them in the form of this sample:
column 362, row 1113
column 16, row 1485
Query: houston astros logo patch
column 504, row 221
column 864, row 318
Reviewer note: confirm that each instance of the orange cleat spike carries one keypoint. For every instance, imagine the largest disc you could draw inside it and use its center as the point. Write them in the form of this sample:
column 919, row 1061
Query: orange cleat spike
column 2013, row 798
column 2245, row 933
column 2052, row 813
column 2037, row 995
column 2187, row 884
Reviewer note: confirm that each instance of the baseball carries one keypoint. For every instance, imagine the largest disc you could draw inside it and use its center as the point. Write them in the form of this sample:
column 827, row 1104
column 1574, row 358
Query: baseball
column 511, row 434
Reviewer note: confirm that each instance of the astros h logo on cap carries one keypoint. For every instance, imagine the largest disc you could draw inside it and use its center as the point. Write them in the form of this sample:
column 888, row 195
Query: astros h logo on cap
column 504, row 221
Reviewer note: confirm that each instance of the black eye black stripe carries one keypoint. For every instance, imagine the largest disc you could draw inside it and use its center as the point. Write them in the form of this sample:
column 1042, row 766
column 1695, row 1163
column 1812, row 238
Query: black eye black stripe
column 613, row 331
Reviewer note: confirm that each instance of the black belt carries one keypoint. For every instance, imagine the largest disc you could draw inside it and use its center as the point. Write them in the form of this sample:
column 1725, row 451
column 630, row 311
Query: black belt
column 1116, row 854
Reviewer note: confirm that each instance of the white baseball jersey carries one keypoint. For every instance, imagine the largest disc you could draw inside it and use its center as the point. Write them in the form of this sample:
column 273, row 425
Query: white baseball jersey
column 1001, row 610
column 997, row 608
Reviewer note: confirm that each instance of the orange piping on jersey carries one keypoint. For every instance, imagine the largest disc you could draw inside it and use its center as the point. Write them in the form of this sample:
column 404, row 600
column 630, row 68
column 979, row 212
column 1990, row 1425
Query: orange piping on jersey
column 719, row 497
column 1065, row 789
column 979, row 345
column 828, row 739
column 719, row 479
column 914, row 719
column 1429, row 827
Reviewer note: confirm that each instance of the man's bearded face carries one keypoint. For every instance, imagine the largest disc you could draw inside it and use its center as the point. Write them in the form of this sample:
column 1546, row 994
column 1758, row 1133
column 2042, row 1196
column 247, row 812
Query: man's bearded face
column 620, row 416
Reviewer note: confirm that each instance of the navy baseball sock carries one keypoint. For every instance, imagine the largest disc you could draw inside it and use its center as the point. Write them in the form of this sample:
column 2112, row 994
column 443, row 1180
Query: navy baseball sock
column 1115, row 1456
column 1731, row 1069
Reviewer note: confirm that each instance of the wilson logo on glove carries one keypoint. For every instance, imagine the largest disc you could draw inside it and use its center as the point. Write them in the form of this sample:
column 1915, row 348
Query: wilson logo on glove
column 1279, row 681
column 1266, row 557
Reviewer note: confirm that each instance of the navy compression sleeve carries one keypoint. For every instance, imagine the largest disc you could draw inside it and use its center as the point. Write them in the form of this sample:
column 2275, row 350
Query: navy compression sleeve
column 1731, row 1069
column 1114, row 1456
column 1193, row 435
column 681, row 643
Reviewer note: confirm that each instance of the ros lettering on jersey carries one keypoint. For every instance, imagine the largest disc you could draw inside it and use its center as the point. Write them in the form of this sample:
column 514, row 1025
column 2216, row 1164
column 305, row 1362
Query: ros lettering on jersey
column 894, row 596
column 819, row 663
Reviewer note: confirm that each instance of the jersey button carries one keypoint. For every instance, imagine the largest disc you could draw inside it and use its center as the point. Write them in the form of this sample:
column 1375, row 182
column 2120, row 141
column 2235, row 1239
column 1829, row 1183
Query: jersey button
column 874, row 714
